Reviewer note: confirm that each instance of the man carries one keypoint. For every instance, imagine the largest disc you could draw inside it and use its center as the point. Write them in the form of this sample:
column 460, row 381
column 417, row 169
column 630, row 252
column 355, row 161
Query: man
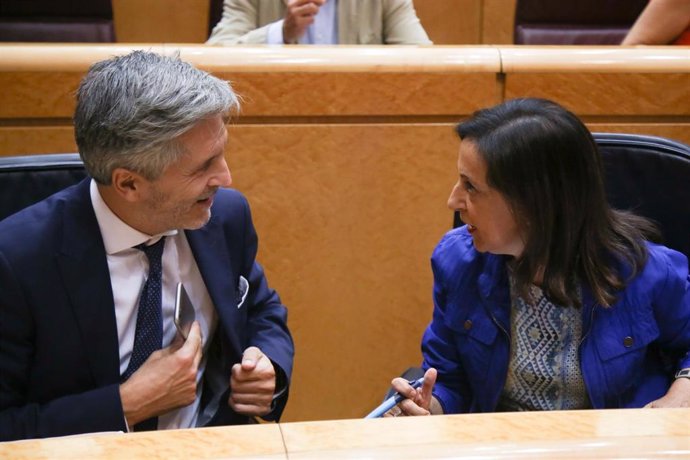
column 88, row 276
column 322, row 22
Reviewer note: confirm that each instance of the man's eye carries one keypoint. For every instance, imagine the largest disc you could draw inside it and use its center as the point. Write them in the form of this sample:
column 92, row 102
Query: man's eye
column 468, row 186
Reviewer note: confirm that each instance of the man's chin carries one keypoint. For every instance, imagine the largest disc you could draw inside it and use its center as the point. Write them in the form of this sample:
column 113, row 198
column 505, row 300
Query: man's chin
column 198, row 222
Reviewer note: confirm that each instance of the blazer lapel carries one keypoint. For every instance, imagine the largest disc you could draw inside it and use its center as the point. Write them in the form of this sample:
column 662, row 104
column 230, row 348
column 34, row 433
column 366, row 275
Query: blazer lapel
column 84, row 268
column 211, row 254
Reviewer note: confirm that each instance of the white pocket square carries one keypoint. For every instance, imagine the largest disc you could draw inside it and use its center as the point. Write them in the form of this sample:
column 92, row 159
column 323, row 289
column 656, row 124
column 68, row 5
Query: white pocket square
column 242, row 290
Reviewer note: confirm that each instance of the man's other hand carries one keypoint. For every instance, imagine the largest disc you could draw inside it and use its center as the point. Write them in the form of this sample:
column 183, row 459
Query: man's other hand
column 252, row 384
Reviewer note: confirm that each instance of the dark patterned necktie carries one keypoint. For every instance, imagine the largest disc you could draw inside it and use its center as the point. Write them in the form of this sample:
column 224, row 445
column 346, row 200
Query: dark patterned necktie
column 148, row 336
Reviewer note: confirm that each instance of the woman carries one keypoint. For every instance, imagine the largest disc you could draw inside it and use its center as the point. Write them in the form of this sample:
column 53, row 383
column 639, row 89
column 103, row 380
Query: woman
column 547, row 298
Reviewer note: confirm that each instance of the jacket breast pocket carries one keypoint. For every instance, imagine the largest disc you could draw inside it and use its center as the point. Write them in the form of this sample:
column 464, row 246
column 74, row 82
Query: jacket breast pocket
column 622, row 342
column 475, row 335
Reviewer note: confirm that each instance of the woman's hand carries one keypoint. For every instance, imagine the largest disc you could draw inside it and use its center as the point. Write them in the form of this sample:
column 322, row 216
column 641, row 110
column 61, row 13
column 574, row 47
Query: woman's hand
column 418, row 401
column 677, row 396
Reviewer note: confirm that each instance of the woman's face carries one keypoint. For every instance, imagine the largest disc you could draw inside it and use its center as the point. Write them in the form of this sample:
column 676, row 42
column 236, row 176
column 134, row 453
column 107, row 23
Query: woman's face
column 486, row 213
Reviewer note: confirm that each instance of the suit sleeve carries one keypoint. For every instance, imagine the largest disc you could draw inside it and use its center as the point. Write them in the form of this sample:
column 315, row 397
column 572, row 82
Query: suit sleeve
column 22, row 417
column 401, row 26
column 239, row 25
column 438, row 344
column 267, row 320
column 672, row 303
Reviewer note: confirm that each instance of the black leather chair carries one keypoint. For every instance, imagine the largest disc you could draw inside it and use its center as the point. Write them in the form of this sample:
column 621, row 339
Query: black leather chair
column 651, row 177
column 56, row 21
column 581, row 22
column 25, row 180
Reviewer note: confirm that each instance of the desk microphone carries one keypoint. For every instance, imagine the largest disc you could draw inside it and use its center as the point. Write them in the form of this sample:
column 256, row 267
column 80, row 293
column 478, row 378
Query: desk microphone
column 389, row 403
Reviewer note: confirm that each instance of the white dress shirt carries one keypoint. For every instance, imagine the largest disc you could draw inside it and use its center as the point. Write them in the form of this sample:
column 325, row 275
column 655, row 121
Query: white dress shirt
column 323, row 31
column 128, row 268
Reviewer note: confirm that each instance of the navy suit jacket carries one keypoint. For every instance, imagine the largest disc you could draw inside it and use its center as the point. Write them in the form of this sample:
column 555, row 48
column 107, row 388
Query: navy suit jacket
column 59, row 351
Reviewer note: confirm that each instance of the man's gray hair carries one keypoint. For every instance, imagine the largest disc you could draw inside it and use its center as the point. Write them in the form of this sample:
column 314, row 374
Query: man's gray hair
column 132, row 109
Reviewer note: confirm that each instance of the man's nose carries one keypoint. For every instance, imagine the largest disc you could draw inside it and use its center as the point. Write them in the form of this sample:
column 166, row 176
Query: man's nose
column 222, row 178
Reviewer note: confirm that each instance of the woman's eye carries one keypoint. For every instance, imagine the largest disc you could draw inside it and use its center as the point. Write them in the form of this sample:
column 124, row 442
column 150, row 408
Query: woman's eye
column 468, row 186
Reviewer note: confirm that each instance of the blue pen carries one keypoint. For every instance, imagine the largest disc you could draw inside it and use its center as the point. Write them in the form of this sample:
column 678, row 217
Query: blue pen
column 393, row 400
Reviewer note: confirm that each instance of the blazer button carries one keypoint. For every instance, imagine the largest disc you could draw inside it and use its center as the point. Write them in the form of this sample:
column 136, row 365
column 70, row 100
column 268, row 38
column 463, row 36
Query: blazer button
column 468, row 324
column 628, row 342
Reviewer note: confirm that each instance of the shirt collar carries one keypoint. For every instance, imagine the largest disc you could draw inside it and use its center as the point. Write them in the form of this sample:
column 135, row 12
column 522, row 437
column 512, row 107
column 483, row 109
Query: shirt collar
column 117, row 235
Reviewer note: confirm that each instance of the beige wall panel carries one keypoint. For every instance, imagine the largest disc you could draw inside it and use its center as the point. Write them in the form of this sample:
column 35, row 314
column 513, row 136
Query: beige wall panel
column 498, row 22
column 24, row 140
column 636, row 94
column 365, row 94
column 161, row 21
column 451, row 22
column 38, row 94
column 679, row 132
column 347, row 217
column 50, row 95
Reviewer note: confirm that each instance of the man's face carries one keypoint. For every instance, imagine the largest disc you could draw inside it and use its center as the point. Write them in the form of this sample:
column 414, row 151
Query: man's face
column 182, row 196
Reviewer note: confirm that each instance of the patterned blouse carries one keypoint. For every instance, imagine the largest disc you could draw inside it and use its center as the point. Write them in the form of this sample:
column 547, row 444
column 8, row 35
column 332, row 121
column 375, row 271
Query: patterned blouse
column 544, row 370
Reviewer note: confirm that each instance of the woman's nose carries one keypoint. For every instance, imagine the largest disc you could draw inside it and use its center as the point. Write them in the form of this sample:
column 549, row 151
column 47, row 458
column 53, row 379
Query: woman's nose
column 456, row 198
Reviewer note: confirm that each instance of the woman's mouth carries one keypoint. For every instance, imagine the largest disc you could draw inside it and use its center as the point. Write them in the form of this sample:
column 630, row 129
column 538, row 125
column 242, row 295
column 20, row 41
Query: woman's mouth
column 471, row 228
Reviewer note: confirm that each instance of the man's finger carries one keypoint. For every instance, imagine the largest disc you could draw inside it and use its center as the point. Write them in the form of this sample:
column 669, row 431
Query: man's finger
column 193, row 342
column 250, row 409
column 250, row 358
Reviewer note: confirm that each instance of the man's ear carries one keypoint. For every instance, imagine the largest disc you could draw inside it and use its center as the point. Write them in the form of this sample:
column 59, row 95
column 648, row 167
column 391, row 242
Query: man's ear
column 128, row 184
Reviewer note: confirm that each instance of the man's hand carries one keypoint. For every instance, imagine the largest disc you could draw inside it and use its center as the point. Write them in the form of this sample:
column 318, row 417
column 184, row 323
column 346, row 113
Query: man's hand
column 299, row 15
column 677, row 396
column 166, row 380
column 252, row 384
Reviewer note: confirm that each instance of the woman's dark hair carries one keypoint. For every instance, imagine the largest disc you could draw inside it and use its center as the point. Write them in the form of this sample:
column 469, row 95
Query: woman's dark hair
column 545, row 163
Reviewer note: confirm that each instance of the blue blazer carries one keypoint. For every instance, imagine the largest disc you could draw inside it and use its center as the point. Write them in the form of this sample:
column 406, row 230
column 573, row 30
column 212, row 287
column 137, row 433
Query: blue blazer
column 59, row 351
column 628, row 353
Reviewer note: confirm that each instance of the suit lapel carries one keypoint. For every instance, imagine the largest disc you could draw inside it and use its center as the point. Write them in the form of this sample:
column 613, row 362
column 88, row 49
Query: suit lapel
column 84, row 269
column 212, row 256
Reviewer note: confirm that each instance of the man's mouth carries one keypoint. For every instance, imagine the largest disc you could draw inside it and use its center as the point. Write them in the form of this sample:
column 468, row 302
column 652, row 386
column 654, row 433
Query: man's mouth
column 207, row 200
column 471, row 228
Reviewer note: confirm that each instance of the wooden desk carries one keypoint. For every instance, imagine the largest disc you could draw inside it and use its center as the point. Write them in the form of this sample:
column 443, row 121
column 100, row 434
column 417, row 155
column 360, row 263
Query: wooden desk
column 566, row 434
column 651, row 433
column 255, row 441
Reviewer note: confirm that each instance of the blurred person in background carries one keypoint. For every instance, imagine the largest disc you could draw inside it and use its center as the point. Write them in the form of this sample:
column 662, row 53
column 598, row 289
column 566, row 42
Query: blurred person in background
column 319, row 22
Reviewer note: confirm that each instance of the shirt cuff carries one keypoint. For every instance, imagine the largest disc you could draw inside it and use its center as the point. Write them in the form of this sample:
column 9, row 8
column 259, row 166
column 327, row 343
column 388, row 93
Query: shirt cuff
column 275, row 33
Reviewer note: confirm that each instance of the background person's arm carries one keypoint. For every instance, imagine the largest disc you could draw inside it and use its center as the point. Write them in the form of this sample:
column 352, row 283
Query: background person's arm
column 401, row 26
column 240, row 24
column 659, row 23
